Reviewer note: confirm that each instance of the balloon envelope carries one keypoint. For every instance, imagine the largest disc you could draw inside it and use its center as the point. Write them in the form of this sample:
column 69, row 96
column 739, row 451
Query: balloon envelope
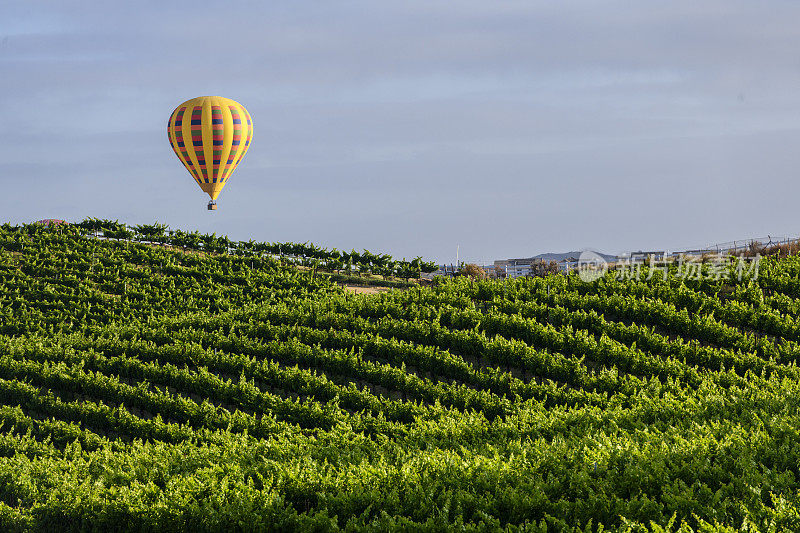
column 210, row 135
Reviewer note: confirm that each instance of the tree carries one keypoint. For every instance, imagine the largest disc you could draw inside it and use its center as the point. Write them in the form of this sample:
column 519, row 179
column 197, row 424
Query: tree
column 224, row 244
column 543, row 268
column 380, row 264
column 122, row 233
column 429, row 266
column 245, row 248
column 212, row 244
column 473, row 271
column 151, row 232
column 95, row 225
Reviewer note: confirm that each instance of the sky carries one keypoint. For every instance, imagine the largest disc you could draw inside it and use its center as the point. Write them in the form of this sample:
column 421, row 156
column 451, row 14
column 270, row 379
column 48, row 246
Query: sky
column 424, row 127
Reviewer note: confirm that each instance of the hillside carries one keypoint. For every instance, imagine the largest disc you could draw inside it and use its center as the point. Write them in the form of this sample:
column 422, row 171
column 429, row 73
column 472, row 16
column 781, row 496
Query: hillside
column 144, row 388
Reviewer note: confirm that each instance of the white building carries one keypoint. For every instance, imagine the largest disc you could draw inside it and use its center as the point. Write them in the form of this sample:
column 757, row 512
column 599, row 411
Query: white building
column 515, row 268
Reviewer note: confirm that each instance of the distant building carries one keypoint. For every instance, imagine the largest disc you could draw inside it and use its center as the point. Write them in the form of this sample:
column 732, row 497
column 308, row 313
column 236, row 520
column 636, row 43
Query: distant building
column 445, row 270
column 516, row 268
column 698, row 252
column 567, row 264
column 640, row 256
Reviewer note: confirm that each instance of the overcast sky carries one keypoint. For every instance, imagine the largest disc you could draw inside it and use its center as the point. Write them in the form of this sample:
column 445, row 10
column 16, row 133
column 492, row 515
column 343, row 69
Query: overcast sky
column 506, row 128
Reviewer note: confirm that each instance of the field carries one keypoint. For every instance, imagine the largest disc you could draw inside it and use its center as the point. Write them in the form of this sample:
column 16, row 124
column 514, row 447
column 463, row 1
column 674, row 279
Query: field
column 151, row 389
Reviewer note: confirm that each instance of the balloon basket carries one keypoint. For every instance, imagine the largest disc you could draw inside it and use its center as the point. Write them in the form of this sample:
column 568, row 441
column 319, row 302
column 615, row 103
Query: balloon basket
column 212, row 205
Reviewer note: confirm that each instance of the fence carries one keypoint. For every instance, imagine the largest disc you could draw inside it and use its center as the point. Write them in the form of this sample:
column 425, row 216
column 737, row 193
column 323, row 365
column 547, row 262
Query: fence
column 745, row 244
column 730, row 247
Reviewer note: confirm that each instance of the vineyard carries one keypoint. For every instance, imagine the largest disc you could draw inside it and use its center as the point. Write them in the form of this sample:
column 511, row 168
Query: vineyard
column 151, row 388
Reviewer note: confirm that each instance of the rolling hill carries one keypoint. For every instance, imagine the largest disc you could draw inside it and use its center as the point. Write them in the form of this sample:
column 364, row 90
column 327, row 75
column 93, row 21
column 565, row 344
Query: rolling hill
column 147, row 388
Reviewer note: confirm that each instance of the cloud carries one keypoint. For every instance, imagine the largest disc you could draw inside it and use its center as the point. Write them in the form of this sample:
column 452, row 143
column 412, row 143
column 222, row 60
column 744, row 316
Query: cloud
column 510, row 128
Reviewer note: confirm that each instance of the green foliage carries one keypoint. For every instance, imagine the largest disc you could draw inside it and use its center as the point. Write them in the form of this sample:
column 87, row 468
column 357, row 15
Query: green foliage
column 303, row 254
column 145, row 388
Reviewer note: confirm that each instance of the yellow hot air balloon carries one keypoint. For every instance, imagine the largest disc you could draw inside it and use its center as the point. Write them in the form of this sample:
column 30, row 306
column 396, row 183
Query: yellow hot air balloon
column 210, row 135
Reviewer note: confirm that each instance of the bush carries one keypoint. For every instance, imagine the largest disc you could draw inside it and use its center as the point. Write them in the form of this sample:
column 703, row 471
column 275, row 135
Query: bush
column 543, row 268
column 473, row 271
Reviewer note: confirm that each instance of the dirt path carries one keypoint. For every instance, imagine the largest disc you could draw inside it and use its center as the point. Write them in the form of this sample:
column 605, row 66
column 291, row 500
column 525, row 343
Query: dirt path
column 366, row 290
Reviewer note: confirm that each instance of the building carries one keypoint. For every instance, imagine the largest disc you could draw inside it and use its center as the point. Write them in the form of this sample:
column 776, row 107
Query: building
column 567, row 264
column 643, row 257
column 443, row 270
column 516, row 268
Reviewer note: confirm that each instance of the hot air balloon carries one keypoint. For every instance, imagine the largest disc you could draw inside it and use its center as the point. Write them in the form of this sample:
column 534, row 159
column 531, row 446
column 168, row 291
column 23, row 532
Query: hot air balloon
column 210, row 135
